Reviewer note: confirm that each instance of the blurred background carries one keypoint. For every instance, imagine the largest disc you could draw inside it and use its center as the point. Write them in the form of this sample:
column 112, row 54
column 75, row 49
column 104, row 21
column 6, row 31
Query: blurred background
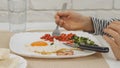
column 44, row 10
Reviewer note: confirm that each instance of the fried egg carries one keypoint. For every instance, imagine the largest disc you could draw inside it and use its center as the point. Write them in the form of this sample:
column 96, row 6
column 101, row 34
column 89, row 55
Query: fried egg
column 39, row 43
column 44, row 47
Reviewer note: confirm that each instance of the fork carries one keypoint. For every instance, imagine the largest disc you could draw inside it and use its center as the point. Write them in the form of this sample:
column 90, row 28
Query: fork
column 56, row 32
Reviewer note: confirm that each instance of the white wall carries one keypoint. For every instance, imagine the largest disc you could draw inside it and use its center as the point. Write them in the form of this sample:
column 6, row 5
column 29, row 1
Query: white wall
column 44, row 10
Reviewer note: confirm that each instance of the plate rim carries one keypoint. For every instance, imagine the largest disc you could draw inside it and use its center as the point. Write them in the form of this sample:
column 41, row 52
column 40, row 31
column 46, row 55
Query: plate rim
column 20, row 65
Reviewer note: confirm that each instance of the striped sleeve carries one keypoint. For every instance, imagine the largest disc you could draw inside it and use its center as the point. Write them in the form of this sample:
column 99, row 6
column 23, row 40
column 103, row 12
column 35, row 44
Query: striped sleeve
column 100, row 24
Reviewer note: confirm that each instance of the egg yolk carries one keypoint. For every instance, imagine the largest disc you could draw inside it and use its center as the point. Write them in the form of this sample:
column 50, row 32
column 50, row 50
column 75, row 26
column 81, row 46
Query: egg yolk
column 39, row 43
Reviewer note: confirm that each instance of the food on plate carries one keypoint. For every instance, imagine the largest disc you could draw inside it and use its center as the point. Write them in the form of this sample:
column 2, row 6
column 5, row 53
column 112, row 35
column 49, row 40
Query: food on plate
column 63, row 37
column 39, row 43
column 49, row 49
column 69, row 38
column 48, row 37
column 5, row 60
column 49, row 44
column 82, row 40
column 65, row 52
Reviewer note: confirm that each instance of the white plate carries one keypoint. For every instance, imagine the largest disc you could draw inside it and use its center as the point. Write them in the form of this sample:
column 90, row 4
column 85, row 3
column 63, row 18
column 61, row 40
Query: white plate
column 18, row 42
column 22, row 63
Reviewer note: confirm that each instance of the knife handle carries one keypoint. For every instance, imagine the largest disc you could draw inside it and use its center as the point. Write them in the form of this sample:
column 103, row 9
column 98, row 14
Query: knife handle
column 94, row 48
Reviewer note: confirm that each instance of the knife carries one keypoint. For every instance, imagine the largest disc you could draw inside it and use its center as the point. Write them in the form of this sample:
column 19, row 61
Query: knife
column 90, row 47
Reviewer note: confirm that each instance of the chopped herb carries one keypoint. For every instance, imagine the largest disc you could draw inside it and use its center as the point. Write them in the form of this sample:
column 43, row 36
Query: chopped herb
column 82, row 40
column 51, row 43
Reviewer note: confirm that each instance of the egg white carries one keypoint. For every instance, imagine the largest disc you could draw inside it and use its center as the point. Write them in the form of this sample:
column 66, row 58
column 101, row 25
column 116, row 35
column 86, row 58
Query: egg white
column 50, row 48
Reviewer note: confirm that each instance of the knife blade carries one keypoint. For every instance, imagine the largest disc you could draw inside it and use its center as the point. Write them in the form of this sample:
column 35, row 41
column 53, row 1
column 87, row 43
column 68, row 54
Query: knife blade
column 95, row 47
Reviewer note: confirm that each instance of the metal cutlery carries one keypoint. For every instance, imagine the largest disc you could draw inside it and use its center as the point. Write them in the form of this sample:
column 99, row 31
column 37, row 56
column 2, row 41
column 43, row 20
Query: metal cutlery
column 95, row 47
column 56, row 32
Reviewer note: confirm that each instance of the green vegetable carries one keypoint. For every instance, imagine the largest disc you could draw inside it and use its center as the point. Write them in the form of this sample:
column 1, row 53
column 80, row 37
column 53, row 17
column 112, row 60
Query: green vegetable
column 51, row 43
column 82, row 40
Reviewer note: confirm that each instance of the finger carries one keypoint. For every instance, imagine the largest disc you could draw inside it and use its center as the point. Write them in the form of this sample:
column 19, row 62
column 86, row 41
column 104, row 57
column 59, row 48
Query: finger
column 115, row 48
column 110, row 41
column 57, row 21
column 115, row 26
column 57, row 17
column 114, row 34
column 61, row 23
column 63, row 13
column 67, row 26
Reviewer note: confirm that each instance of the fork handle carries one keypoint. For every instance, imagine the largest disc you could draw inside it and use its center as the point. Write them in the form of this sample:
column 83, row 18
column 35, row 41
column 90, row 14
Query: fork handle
column 64, row 6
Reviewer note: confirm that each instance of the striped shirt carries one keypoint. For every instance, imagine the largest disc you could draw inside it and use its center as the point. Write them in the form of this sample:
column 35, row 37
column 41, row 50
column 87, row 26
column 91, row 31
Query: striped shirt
column 100, row 24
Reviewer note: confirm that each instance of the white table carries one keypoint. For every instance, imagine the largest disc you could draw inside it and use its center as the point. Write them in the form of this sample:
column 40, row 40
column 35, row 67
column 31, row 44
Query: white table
column 109, row 57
